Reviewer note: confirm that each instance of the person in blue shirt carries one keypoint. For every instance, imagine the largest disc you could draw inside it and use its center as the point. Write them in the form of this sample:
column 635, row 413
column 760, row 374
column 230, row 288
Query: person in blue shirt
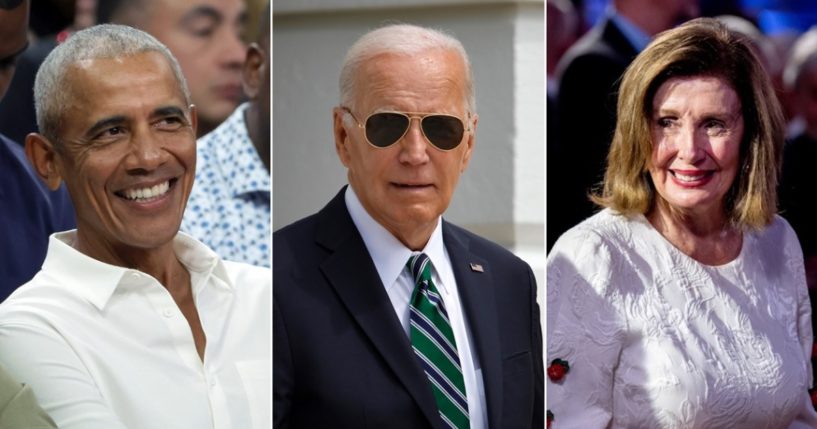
column 30, row 212
column 229, row 207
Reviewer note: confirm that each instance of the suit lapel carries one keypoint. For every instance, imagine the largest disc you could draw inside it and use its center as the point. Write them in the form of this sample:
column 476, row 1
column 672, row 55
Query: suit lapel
column 351, row 272
column 476, row 289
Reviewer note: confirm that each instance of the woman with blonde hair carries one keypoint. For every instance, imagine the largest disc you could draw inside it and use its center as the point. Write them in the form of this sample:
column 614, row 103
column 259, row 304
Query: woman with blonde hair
column 683, row 303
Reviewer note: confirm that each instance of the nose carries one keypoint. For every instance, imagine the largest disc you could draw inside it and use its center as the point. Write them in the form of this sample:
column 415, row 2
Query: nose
column 233, row 50
column 689, row 143
column 413, row 145
column 146, row 154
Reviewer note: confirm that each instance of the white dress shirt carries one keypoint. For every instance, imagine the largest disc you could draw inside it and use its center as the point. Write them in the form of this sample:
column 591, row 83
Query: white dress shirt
column 106, row 347
column 390, row 256
column 656, row 339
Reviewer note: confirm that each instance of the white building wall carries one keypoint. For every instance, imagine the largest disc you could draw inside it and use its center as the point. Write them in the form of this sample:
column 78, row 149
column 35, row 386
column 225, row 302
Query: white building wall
column 501, row 195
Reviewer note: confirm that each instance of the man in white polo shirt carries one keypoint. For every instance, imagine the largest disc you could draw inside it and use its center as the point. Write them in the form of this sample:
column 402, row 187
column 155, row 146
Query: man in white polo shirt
column 131, row 324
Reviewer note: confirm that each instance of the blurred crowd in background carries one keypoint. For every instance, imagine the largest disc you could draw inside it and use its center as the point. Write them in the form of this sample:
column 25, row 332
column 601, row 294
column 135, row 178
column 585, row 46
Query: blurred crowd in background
column 51, row 21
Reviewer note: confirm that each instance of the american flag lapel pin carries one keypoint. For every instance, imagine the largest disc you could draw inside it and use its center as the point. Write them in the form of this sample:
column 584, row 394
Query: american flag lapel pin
column 476, row 267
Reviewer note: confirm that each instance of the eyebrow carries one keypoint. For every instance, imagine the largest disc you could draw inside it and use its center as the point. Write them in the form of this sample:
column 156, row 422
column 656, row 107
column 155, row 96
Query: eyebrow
column 710, row 114
column 115, row 120
column 167, row 111
column 105, row 123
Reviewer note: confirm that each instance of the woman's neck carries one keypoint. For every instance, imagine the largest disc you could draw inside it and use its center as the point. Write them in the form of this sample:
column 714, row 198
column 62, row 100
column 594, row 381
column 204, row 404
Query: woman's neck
column 710, row 240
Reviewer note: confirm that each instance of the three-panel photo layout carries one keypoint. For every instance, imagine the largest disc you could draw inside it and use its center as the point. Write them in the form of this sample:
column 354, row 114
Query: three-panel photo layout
column 408, row 214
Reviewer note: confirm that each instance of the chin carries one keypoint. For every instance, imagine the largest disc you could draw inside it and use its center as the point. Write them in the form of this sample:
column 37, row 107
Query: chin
column 692, row 204
column 151, row 238
column 417, row 215
column 151, row 243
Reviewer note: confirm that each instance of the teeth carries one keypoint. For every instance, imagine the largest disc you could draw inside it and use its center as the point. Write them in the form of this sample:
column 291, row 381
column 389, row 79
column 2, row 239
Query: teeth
column 147, row 193
column 685, row 178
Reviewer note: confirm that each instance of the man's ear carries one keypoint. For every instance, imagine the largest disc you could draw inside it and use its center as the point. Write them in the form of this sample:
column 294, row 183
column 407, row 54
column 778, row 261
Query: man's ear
column 341, row 135
column 469, row 142
column 252, row 73
column 194, row 118
column 43, row 156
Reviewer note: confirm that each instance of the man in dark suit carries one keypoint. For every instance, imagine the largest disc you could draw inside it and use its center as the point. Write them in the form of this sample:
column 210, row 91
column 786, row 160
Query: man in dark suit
column 585, row 114
column 385, row 315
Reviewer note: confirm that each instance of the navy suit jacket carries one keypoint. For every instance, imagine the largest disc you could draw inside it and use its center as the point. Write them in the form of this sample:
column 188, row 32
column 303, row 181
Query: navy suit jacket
column 341, row 356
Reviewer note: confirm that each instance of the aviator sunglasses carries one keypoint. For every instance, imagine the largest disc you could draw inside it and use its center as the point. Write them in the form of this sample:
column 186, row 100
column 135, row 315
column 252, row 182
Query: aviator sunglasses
column 383, row 129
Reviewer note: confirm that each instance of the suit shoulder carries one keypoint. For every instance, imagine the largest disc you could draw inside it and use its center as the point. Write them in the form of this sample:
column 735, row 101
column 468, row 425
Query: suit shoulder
column 290, row 241
column 296, row 229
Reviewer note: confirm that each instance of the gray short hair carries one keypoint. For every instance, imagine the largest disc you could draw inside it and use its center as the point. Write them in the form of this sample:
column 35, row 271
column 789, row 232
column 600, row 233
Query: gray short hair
column 97, row 42
column 400, row 39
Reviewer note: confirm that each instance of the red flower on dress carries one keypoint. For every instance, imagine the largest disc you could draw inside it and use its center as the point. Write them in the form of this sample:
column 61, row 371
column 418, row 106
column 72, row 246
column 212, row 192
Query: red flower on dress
column 557, row 369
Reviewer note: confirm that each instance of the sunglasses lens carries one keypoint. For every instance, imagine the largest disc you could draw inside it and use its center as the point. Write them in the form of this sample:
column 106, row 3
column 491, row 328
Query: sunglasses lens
column 383, row 129
column 443, row 131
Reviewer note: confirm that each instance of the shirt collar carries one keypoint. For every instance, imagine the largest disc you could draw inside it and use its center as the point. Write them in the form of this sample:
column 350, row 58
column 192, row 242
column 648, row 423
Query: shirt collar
column 387, row 252
column 435, row 250
column 97, row 281
column 236, row 156
column 636, row 36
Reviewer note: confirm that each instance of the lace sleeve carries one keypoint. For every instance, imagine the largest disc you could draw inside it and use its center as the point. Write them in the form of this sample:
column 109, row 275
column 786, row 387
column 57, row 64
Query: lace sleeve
column 583, row 329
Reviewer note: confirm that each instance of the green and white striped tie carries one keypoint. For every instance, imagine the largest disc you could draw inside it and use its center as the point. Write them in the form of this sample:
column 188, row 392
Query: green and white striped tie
column 433, row 342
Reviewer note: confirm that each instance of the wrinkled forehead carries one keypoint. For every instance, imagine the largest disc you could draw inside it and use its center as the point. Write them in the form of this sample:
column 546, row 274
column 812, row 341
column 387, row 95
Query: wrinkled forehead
column 103, row 75
column 130, row 87
column 428, row 74
column 664, row 83
column 424, row 62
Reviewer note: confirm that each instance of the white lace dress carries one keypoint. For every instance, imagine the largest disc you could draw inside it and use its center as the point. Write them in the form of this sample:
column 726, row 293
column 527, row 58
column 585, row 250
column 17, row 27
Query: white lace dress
column 655, row 339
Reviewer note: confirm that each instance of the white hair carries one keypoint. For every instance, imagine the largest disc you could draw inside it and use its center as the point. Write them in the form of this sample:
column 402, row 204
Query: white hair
column 400, row 39
column 97, row 42
column 803, row 54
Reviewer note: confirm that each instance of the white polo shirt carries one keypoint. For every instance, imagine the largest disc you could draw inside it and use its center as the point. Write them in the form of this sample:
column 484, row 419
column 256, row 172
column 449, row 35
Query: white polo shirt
column 106, row 347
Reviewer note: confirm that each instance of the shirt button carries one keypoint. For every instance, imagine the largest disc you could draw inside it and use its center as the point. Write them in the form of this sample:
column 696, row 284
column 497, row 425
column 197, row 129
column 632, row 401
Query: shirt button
column 167, row 312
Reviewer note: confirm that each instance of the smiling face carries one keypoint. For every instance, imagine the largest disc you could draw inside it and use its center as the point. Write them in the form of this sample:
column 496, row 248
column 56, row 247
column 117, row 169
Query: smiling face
column 697, row 130
column 127, row 153
column 405, row 187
